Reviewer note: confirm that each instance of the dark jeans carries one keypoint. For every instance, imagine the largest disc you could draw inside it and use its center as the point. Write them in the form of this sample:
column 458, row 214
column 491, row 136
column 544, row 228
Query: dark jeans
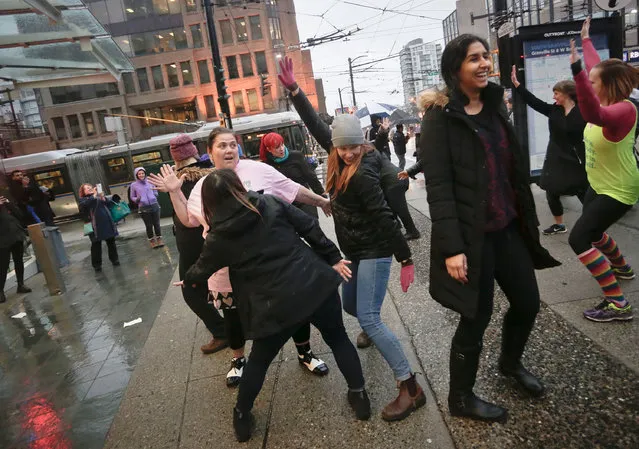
column 505, row 259
column 396, row 197
column 16, row 250
column 197, row 298
column 235, row 333
column 96, row 252
column 599, row 213
column 328, row 319
column 554, row 202
column 151, row 218
column 402, row 160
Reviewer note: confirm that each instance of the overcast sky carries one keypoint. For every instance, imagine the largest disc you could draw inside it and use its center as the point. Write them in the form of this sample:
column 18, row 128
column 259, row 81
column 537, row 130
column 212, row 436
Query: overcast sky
column 382, row 34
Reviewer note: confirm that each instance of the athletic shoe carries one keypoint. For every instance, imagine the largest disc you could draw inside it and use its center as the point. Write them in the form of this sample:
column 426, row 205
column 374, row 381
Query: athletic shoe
column 242, row 423
column 234, row 376
column 608, row 311
column 626, row 273
column 360, row 404
column 314, row 364
column 555, row 229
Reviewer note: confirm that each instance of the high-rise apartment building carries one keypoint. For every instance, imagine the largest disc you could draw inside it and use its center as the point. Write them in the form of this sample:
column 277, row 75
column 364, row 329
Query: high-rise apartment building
column 167, row 42
column 419, row 63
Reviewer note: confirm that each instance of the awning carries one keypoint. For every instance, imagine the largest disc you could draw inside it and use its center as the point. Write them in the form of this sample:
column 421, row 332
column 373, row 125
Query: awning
column 46, row 43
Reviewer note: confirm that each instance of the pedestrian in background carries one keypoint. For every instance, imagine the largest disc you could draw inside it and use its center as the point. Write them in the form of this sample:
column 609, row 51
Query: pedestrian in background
column 399, row 145
column 12, row 237
column 99, row 225
column 146, row 197
column 484, row 222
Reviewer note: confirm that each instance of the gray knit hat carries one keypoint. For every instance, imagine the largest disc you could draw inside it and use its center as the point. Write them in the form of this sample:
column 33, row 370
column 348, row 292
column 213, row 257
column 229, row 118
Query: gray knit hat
column 347, row 130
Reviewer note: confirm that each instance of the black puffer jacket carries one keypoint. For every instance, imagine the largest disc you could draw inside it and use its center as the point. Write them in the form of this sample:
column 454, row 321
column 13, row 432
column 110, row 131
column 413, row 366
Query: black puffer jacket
column 364, row 223
column 280, row 279
column 564, row 171
column 322, row 133
column 454, row 162
column 11, row 230
column 297, row 169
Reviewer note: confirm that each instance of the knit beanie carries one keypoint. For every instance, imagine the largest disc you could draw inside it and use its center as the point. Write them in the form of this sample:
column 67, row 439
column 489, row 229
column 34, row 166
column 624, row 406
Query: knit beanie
column 347, row 130
column 182, row 148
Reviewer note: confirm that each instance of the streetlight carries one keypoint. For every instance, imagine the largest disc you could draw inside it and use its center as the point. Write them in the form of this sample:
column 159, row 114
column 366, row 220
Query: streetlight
column 350, row 71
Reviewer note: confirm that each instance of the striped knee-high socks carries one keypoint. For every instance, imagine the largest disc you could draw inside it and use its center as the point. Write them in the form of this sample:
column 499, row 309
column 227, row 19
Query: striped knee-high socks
column 608, row 246
column 600, row 269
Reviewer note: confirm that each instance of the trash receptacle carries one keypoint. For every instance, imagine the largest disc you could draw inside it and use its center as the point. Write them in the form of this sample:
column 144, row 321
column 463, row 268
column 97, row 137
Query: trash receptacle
column 42, row 241
column 54, row 234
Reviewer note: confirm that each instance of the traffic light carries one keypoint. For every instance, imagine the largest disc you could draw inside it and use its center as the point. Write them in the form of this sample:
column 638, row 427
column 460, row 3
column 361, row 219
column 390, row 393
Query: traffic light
column 221, row 87
column 265, row 85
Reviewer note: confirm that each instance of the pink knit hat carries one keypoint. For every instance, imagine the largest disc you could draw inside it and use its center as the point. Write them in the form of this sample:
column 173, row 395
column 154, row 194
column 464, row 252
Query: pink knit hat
column 182, row 148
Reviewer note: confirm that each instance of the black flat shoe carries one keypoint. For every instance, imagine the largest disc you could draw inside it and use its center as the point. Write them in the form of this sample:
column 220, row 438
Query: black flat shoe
column 360, row 404
column 23, row 289
column 470, row 406
column 242, row 423
column 526, row 380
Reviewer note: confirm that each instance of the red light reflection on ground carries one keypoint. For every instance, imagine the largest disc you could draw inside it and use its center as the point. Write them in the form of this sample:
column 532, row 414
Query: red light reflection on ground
column 43, row 425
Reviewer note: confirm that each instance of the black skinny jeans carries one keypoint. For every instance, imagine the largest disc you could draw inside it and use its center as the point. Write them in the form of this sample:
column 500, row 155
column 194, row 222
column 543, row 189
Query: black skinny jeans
column 328, row 319
column 16, row 251
column 505, row 259
column 197, row 298
column 96, row 252
column 235, row 333
column 554, row 202
column 151, row 220
column 396, row 197
column 599, row 213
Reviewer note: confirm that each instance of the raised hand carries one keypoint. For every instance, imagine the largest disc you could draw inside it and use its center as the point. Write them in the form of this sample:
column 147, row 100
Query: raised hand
column 342, row 269
column 513, row 77
column 574, row 56
column 286, row 76
column 167, row 180
column 585, row 29
column 385, row 123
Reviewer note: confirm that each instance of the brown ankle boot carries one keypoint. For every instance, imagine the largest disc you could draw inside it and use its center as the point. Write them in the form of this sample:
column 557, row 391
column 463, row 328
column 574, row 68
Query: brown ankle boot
column 159, row 242
column 411, row 397
column 152, row 242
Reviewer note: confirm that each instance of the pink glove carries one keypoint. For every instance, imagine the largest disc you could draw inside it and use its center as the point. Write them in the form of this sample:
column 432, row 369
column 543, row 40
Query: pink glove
column 407, row 276
column 287, row 78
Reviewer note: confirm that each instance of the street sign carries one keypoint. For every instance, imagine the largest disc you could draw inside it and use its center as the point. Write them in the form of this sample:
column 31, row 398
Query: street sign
column 508, row 28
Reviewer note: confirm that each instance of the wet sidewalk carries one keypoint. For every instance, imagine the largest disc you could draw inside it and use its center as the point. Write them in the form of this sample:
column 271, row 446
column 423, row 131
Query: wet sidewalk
column 65, row 361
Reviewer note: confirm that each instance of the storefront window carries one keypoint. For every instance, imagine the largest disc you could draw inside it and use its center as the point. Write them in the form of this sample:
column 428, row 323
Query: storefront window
column 253, row 103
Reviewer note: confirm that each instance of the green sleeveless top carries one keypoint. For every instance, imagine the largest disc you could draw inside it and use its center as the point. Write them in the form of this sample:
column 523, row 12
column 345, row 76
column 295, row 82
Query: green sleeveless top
column 612, row 166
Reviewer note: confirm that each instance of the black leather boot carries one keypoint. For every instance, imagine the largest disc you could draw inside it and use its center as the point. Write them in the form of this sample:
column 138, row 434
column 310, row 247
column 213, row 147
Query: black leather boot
column 513, row 343
column 461, row 399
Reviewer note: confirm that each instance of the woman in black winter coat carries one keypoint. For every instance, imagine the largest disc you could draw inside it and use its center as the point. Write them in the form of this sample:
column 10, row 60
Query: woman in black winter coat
column 484, row 221
column 564, row 170
column 394, row 189
column 291, row 164
column 283, row 282
column 11, row 245
column 94, row 207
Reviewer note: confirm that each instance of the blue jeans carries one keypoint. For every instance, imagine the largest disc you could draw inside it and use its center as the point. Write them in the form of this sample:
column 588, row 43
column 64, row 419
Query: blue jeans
column 362, row 297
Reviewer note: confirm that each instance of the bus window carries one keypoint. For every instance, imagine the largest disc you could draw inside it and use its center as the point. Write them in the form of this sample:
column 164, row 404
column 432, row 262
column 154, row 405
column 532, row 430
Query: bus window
column 298, row 139
column 117, row 170
column 153, row 157
column 251, row 144
column 52, row 180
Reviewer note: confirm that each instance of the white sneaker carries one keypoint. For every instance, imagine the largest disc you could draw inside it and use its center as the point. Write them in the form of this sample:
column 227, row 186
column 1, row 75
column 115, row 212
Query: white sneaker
column 234, row 376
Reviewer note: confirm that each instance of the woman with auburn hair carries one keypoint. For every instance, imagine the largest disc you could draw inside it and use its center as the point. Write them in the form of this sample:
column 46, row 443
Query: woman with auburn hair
column 612, row 168
column 369, row 235
column 94, row 207
column 564, row 171
column 291, row 164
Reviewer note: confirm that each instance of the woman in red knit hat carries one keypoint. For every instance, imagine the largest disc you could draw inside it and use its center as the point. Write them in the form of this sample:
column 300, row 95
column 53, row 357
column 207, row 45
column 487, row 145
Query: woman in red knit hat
column 291, row 164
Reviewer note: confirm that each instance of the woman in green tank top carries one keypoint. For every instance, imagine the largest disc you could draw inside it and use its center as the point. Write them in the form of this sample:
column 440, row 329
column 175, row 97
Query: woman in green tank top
column 613, row 172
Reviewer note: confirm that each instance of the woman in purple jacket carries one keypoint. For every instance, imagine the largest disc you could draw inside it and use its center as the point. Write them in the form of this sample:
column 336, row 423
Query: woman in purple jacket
column 143, row 194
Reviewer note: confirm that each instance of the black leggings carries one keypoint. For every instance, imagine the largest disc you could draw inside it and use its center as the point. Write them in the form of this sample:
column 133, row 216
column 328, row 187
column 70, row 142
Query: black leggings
column 96, row 252
column 396, row 197
column 235, row 333
column 505, row 259
column 554, row 202
column 152, row 221
column 599, row 213
column 328, row 319
column 16, row 251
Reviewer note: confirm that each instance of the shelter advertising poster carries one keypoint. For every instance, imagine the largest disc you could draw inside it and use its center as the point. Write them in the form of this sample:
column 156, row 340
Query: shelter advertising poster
column 546, row 62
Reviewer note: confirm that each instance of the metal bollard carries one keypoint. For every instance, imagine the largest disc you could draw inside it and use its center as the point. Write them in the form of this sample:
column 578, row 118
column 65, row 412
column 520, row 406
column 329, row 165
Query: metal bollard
column 46, row 257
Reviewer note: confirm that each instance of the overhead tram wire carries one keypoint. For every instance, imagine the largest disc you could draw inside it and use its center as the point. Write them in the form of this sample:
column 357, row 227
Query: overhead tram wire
column 400, row 30
column 347, row 2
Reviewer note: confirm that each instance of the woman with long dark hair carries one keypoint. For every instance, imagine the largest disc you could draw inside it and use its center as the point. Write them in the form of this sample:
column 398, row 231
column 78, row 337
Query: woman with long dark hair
column 369, row 235
column 291, row 164
column 613, row 172
column 282, row 281
column 94, row 207
column 484, row 221
column 564, row 170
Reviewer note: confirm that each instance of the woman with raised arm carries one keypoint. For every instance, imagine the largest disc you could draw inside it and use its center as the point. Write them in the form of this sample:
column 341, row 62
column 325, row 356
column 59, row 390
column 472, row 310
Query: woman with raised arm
column 613, row 172
column 484, row 222
column 564, row 172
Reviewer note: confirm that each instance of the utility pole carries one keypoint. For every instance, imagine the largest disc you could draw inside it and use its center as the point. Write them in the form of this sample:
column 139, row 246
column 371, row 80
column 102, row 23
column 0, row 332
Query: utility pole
column 341, row 104
column 218, row 69
column 350, row 71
